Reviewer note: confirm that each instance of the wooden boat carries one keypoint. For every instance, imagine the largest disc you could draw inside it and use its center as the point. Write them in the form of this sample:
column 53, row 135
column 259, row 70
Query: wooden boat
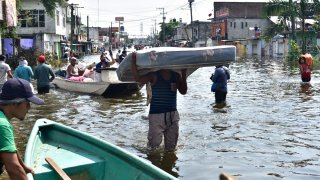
column 82, row 156
column 97, row 88
column 109, row 86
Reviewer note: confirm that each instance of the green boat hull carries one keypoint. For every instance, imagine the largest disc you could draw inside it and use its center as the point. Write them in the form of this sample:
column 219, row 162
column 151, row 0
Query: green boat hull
column 82, row 156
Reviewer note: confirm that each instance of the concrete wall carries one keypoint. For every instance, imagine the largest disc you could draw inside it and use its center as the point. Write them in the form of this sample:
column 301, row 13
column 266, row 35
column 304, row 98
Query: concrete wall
column 242, row 28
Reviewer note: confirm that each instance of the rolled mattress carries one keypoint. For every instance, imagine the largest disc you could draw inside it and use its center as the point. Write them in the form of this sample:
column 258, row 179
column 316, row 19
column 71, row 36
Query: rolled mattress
column 176, row 58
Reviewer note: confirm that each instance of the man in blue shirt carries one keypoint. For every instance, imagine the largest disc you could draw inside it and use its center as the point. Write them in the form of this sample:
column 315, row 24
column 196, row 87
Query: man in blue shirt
column 219, row 79
column 23, row 71
column 44, row 75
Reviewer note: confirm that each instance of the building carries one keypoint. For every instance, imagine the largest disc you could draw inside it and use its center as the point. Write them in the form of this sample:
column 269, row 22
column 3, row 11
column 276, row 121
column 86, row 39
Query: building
column 39, row 30
column 240, row 23
column 201, row 34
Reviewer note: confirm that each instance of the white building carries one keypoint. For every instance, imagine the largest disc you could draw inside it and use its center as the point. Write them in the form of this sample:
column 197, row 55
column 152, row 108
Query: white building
column 37, row 29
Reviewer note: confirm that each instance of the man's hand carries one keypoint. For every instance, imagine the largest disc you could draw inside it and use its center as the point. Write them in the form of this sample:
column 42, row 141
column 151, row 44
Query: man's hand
column 183, row 73
column 28, row 170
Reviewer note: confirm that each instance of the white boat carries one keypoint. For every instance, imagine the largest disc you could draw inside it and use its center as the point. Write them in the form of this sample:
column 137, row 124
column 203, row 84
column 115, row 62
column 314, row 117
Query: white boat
column 97, row 88
column 109, row 86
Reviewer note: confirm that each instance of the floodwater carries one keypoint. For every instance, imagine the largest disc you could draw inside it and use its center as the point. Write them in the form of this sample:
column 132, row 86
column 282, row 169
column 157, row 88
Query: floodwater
column 268, row 129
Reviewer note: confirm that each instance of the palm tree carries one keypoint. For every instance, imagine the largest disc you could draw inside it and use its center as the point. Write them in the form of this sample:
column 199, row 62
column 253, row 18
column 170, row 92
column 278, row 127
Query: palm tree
column 291, row 11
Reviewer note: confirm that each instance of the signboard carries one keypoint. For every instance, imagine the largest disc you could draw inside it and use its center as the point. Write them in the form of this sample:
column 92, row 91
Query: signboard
column 119, row 18
column 222, row 12
column 115, row 29
column 121, row 28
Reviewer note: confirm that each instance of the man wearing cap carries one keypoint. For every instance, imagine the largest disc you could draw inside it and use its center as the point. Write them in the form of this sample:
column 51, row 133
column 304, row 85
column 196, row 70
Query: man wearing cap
column 15, row 101
column 44, row 75
column 23, row 71
column 5, row 71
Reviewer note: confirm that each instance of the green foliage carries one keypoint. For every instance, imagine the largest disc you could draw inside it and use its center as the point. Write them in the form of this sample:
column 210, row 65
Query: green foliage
column 269, row 33
column 50, row 5
column 169, row 29
column 316, row 25
column 294, row 52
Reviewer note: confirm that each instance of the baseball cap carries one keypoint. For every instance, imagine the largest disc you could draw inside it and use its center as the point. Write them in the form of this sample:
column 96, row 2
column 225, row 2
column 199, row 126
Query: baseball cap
column 16, row 90
column 42, row 58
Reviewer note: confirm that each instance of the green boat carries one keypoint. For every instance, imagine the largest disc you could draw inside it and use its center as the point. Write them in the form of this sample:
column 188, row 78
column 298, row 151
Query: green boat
column 82, row 156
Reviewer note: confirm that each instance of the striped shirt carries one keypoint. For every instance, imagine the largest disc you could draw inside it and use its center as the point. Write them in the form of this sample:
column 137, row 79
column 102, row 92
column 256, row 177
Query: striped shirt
column 164, row 95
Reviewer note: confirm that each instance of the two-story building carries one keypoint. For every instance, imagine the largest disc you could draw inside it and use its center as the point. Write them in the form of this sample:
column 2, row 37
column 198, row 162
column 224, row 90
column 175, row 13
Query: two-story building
column 200, row 35
column 240, row 23
column 39, row 30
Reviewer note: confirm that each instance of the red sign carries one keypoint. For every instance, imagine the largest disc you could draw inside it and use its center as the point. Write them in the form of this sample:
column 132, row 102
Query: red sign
column 119, row 18
column 222, row 12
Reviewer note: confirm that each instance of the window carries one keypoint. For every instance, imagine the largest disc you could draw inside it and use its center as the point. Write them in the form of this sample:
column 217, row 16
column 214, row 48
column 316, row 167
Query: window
column 58, row 18
column 241, row 25
column 230, row 24
column 234, row 25
column 246, row 24
column 64, row 21
column 33, row 18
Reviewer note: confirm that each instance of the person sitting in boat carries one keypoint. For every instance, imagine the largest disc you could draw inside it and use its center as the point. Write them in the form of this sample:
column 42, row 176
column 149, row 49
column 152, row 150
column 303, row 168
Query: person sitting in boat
column 72, row 69
column 122, row 56
column 304, row 69
column 104, row 63
column 88, row 74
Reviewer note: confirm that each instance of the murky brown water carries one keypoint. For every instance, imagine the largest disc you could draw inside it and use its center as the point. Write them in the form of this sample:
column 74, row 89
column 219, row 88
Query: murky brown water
column 269, row 128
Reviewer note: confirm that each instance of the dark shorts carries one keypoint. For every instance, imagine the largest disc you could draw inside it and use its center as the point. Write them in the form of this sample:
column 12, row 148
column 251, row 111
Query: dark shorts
column 43, row 89
column 220, row 96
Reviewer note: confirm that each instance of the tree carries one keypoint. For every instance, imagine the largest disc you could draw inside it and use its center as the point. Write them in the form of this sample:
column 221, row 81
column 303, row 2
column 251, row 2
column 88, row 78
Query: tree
column 50, row 5
column 169, row 29
column 290, row 11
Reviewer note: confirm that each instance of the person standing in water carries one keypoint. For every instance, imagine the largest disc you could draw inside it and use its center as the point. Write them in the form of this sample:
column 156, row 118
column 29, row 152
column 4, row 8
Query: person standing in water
column 304, row 69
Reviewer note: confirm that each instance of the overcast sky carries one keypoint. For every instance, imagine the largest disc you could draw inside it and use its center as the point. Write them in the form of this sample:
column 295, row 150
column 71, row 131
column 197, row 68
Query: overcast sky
column 140, row 16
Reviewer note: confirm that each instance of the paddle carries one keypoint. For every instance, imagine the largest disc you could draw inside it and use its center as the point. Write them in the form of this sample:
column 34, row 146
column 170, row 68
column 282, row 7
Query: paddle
column 57, row 169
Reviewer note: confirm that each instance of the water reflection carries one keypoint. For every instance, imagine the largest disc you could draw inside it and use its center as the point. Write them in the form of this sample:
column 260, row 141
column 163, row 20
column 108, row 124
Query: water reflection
column 165, row 161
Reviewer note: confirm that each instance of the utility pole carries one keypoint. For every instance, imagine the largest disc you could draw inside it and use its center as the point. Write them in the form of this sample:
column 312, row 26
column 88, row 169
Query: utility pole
column 155, row 31
column 190, row 3
column 72, row 23
column 163, row 26
column 74, row 18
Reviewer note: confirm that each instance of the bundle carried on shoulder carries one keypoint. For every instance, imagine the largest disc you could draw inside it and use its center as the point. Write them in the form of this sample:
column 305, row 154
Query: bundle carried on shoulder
column 175, row 58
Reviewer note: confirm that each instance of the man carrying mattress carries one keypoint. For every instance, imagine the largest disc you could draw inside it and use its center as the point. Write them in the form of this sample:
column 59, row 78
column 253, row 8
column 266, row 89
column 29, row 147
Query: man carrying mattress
column 163, row 115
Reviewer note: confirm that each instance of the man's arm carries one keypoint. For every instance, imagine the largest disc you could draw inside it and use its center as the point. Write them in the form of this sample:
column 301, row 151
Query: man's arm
column 182, row 82
column 26, row 168
column 9, row 73
column 113, row 60
column 13, row 166
column 135, row 73
column 52, row 75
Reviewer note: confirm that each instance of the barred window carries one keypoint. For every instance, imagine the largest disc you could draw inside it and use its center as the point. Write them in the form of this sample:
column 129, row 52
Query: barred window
column 32, row 18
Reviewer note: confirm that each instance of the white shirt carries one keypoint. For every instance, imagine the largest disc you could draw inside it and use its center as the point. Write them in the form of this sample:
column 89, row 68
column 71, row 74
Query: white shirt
column 4, row 68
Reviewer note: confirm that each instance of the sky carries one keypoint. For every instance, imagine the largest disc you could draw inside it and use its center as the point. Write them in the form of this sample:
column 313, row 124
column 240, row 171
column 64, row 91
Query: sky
column 140, row 16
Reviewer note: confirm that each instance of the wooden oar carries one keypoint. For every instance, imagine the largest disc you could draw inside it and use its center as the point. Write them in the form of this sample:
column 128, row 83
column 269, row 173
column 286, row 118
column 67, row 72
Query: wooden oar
column 57, row 169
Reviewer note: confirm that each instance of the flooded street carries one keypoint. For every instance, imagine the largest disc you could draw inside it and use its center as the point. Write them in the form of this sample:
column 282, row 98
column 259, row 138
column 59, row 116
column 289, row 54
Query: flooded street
column 268, row 129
